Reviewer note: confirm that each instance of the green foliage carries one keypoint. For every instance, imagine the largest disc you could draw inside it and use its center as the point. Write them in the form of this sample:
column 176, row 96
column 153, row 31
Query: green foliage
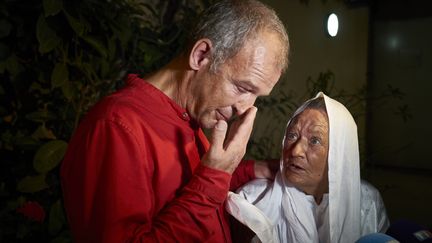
column 49, row 155
column 32, row 184
column 57, row 58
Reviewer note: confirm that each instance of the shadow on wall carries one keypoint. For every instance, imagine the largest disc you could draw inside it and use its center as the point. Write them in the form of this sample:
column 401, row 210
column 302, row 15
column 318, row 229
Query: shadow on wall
column 407, row 194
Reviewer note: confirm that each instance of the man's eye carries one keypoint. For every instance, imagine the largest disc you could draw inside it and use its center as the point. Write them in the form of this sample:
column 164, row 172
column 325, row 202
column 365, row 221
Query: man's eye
column 242, row 89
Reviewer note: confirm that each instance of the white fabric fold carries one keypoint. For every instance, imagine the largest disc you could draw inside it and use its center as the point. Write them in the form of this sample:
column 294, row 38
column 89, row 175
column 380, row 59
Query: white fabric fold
column 255, row 218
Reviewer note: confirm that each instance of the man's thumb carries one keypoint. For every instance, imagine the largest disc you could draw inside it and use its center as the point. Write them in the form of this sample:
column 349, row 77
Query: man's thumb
column 218, row 134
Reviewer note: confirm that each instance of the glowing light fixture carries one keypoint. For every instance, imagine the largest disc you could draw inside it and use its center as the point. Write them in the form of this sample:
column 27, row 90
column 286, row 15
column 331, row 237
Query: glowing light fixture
column 332, row 25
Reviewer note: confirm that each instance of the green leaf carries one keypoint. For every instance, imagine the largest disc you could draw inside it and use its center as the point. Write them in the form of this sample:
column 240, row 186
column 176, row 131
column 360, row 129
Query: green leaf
column 64, row 237
column 60, row 75
column 26, row 142
column 97, row 44
column 35, row 86
column 281, row 110
column 105, row 68
column 14, row 204
column 43, row 133
column 56, row 218
column 122, row 29
column 12, row 65
column 40, row 116
column 111, row 48
column 31, row 184
column 76, row 24
column 48, row 39
column 49, row 155
column 69, row 90
column 52, row 7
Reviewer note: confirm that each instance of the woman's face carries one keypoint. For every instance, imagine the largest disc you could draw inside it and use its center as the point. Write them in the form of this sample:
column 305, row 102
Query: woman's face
column 305, row 152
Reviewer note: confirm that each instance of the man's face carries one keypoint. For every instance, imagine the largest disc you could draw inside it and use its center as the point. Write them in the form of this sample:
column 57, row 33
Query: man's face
column 236, row 84
column 305, row 152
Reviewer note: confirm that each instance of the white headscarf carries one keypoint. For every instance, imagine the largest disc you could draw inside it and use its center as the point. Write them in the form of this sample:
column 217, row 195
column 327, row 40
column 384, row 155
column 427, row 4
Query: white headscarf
column 287, row 214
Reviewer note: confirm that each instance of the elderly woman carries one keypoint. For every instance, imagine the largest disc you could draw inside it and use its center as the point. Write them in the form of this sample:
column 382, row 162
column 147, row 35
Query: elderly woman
column 317, row 196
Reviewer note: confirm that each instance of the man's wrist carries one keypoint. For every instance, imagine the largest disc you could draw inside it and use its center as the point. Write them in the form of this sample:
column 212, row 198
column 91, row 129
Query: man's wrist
column 210, row 182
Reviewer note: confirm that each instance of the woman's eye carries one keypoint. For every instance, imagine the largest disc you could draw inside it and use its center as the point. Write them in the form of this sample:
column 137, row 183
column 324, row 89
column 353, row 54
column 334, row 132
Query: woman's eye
column 315, row 141
column 291, row 136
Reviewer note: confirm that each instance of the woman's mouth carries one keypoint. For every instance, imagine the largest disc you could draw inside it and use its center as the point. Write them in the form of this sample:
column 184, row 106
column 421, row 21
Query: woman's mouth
column 295, row 168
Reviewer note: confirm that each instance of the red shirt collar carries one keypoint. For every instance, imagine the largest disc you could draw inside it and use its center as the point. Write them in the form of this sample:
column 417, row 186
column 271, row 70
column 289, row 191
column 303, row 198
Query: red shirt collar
column 133, row 80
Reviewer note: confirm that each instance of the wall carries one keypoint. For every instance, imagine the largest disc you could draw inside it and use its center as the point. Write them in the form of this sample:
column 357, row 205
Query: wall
column 400, row 163
column 402, row 57
column 312, row 52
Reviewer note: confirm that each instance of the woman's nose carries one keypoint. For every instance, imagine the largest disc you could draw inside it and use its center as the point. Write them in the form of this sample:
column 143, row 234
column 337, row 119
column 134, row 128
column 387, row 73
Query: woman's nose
column 298, row 148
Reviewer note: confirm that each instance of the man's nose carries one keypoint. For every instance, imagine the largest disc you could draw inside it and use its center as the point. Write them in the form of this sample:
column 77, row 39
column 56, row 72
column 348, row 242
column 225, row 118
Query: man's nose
column 245, row 104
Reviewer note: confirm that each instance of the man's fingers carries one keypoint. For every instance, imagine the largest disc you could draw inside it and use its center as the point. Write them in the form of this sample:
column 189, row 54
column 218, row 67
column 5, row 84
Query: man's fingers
column 241, row 129
column 227, row 157
column 218, row 134
column 245, row 128
column 249, row 119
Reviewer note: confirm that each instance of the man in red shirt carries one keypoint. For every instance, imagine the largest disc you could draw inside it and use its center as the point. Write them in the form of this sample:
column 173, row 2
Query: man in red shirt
column 139, row 168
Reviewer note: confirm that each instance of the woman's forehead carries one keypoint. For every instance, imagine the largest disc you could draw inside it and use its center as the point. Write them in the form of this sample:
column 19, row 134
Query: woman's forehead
column 312, row 118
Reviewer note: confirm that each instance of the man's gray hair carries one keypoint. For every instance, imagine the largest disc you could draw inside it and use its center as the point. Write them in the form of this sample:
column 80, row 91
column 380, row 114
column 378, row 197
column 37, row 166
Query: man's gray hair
column 230, row 23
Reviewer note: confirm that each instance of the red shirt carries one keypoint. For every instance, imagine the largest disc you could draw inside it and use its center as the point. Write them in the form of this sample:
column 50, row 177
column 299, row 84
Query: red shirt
column 132, row 173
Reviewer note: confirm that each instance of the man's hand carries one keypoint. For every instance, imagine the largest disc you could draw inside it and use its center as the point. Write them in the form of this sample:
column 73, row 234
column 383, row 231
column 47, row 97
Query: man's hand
column 226, row 154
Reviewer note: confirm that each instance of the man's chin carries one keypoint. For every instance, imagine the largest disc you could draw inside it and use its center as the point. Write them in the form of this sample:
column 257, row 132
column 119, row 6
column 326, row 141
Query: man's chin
column 208, row 124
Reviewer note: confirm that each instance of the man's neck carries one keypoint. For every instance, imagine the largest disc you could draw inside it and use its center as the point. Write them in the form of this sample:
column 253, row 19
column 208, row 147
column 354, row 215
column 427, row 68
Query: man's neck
column 171, row 80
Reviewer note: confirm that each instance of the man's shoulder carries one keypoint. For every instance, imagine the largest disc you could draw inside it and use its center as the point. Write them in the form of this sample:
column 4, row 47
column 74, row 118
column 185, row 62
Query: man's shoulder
column 111, row 107
column 125, row 103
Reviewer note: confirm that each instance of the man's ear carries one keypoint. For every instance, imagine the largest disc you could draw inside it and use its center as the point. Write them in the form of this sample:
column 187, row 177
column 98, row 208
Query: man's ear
column 200, row 54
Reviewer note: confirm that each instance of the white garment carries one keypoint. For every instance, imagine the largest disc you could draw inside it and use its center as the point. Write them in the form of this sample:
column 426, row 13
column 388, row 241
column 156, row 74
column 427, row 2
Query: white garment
column 351, row 209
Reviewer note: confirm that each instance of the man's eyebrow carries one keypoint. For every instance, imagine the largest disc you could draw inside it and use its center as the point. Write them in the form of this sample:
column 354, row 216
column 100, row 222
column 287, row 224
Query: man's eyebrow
column 253, row 88
column 250, row 85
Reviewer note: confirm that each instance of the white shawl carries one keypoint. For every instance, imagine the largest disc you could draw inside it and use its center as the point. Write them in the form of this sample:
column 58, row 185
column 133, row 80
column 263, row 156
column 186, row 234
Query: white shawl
column 276, row 211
